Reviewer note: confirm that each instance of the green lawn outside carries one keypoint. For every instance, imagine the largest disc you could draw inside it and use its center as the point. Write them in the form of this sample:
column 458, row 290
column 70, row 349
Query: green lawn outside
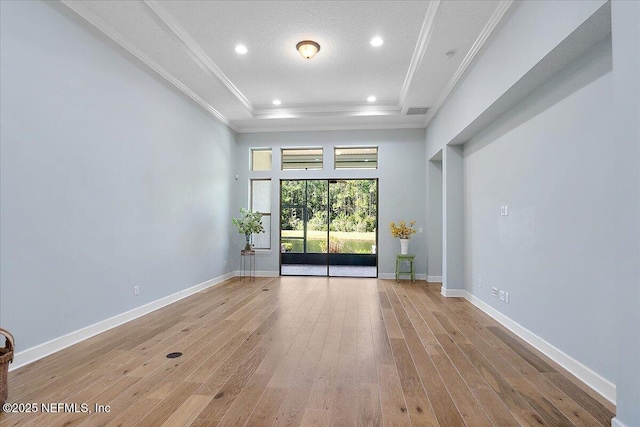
column 342, row 235
column 353, row 242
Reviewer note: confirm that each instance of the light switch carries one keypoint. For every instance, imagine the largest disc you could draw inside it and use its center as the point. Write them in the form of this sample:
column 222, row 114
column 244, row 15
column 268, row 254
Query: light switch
column 506, row 210
column 502, row 210
column 419, row 229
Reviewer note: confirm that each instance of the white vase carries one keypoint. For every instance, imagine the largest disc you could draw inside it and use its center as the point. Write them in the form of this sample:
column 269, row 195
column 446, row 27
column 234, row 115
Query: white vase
column 404, row 246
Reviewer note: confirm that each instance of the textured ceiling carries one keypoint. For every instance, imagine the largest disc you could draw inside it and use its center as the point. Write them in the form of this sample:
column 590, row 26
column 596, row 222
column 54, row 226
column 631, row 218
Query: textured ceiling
column 191, row 44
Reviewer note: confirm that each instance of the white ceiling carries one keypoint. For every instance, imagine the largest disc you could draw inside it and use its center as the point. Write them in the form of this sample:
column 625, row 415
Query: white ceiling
column 192, row 44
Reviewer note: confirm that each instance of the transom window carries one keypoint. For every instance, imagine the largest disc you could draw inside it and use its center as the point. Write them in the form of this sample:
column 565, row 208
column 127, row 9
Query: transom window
column 301, row 158
column 356, row 157
column 261, row 159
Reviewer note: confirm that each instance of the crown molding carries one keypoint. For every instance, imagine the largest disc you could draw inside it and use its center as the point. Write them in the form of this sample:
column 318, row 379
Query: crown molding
column 168, row 23
column 314, row 110
column 79, row 8
column 482, row 38
column 418, row 54
column 315, row 128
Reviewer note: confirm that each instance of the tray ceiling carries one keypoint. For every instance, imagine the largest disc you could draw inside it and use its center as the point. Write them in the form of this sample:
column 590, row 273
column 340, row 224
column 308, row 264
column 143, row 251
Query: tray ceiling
column 192, row 44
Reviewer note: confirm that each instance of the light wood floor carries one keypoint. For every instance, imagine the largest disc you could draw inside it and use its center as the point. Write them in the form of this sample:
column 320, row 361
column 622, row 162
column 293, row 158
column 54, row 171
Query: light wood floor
column 308, row 351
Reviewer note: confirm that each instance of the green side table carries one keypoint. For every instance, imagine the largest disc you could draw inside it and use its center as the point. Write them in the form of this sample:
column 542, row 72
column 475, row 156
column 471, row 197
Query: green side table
column 411, row 259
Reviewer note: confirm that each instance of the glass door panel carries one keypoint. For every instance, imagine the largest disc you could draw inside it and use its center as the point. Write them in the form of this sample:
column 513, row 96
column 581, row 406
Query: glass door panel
column 292, row 232
column 353, row 227
column 317, row 218
column 303, row 235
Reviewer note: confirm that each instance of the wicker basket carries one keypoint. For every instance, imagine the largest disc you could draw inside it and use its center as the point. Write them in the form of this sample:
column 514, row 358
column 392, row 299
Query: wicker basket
column 6, row 357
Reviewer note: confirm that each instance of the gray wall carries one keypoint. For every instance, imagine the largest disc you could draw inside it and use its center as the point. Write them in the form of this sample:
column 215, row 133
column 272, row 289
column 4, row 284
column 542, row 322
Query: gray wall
column 110, row 178
column 434, row 218
column 452, row 218
column 401, row 173
column 550, row 158
column 553, row 253
column 626, row 153
column 540, row 26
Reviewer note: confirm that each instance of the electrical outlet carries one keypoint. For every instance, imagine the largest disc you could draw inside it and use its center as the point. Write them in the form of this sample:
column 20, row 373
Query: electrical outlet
column 419, row 229
column 225, row 262
column 506, row 210
column 494, row 292
column 502, row 295
column 136, row 291
column 479, row 283
column 506, row 297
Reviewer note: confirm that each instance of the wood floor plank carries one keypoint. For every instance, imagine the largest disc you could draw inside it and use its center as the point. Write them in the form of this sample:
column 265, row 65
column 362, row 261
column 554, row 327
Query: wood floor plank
column 442, row 404
column 393, row 405
column 292, row 351
column 315, row 418
column 551, row 415
column 167, row 407
column 343, row 396
column 417, row 404
column 188, row 412
column 523, row 352
column 513, row 377
column 292, row 410
column 368, row 405
column 595, row 408
column 326, row 371
column 224, row 397
column 574, row 412
column 266, row 410
column 243, row 406
column 495, row 409
column 275, row 345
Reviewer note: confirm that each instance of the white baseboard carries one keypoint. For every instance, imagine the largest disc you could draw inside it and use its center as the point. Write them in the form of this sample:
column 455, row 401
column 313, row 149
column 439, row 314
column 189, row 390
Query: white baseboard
column 617, row 423
column 45, row 349
column 434, row 279
column 594, row 380
column 453, row 293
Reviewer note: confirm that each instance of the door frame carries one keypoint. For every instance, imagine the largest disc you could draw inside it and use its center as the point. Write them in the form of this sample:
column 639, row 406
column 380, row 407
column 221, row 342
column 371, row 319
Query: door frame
column 328, row 259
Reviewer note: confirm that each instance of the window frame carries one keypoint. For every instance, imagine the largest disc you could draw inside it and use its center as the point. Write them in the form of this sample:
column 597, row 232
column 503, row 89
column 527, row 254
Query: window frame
column 251, row 159
column 282, row 153
column 251, row 181
column 352, row 147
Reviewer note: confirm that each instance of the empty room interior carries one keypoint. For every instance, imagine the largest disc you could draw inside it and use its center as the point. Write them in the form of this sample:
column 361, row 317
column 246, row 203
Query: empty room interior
column 379, row 213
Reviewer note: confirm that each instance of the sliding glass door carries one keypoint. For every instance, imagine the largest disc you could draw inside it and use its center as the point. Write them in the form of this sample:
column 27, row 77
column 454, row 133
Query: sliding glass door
column 303, row 227
column 329, row 227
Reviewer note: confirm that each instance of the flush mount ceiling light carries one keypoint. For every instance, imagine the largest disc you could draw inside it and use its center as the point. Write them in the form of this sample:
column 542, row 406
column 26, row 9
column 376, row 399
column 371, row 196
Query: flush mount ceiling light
column 376, row 41
column 277, row 102
column 241, row 49
column 371, row 98
column 450, row 54
column 308, row 48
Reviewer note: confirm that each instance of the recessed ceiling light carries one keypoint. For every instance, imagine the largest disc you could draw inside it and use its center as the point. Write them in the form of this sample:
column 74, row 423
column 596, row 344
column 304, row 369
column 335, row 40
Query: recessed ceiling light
column 376, row 41
column 277, row 102
column 242, row 49
column 371, row 98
